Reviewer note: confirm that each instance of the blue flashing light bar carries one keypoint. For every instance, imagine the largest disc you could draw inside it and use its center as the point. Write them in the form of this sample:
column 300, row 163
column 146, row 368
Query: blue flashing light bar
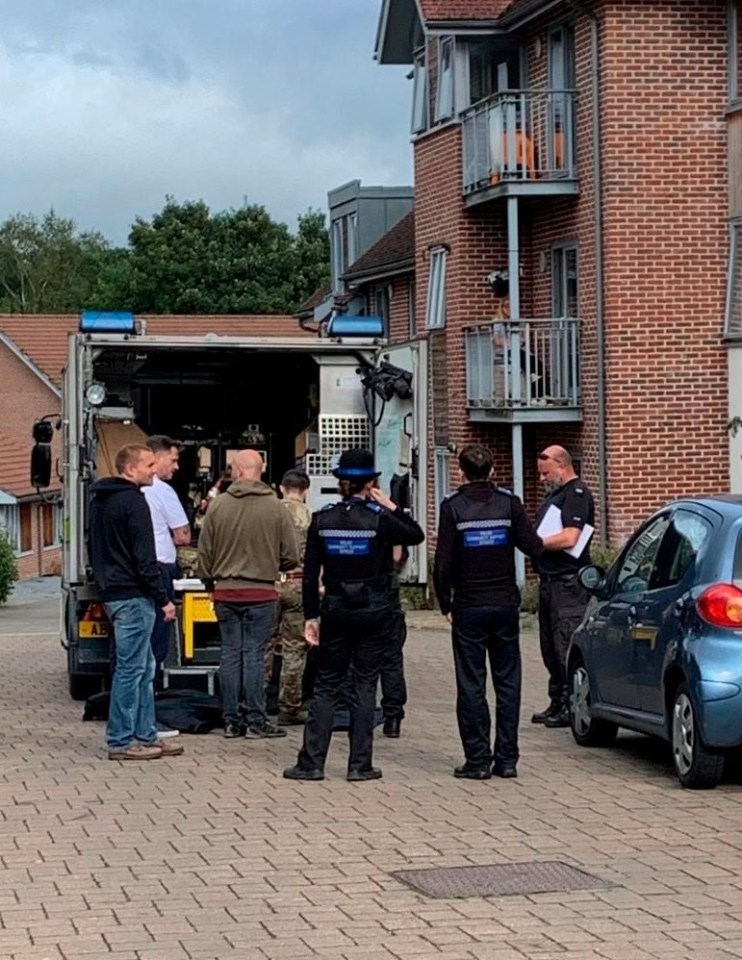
column 343, row 325
column 103, row 321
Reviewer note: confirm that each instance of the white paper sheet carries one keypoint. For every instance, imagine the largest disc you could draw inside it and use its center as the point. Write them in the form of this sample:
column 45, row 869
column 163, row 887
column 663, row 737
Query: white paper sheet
column 552, row 523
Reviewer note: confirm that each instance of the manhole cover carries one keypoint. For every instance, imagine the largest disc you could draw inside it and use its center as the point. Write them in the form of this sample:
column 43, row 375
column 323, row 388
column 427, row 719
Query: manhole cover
column 498, row 879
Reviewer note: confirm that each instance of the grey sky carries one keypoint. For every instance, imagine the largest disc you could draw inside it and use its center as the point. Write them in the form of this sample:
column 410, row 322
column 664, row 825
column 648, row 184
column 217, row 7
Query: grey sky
column 106, row 106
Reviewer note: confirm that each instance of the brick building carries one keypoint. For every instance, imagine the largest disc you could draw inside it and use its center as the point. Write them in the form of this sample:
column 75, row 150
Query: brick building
column 577, row 169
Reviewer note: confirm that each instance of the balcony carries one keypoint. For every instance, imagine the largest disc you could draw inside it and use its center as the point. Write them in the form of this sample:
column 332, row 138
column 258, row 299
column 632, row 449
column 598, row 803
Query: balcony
column 523, row 371
column 520, row 143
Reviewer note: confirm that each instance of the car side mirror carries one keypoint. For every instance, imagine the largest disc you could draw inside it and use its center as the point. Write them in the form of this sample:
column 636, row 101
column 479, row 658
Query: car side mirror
column 592, row 577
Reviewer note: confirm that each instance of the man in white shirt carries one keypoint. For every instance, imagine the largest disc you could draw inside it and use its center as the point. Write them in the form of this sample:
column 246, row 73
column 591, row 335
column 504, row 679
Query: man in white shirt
column 172, row 530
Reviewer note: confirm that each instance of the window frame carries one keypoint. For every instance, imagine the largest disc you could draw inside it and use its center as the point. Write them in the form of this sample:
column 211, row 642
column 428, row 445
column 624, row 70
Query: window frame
column 441, row 479
column 420, row 120
column 734, row 58
column 435, row 313
column 734, row 283
column 445, row 110
column 560, row 253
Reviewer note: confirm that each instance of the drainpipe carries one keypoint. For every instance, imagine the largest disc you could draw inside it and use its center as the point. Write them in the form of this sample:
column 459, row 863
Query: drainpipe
column 599, row 267
column 515, row 345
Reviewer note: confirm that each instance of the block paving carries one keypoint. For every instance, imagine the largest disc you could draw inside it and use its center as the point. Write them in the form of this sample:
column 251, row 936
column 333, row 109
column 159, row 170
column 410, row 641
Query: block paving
column 213, row 856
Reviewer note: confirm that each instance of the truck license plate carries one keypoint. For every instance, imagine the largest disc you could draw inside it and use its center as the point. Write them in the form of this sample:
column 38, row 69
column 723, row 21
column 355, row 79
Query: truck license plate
column 92, row 628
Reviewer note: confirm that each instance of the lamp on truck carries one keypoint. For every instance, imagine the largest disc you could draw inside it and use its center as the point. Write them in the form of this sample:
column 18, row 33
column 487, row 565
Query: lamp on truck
column 95, row 394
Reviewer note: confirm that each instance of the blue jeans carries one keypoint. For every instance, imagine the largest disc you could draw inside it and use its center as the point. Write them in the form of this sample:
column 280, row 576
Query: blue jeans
column 245, row 629
column 479, row 632
column 131, row 715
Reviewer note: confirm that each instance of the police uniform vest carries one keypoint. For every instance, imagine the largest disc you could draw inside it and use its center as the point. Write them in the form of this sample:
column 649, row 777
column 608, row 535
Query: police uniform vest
column 352, row 551
column 484, row 542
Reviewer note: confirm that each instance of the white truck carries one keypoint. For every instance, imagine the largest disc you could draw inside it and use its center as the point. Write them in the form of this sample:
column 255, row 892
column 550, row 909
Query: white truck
column 301, row 400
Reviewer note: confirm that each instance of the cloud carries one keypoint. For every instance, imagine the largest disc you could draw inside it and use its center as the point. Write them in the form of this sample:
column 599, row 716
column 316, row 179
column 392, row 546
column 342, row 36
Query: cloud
column 109, row 108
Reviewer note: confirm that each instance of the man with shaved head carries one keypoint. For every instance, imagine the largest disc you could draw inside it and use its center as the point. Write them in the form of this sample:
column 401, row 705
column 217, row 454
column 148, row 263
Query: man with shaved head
column 247, row 539
column 562, row 598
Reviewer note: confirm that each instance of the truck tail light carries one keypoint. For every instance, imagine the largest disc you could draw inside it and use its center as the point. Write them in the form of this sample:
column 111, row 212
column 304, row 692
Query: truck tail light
column 721, row 605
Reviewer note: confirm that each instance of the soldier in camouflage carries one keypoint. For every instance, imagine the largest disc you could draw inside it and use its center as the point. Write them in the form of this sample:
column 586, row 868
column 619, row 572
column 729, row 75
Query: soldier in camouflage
column 289, row 633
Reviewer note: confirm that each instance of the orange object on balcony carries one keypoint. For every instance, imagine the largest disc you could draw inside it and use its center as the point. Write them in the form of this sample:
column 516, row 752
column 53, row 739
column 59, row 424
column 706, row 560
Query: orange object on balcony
column 559, row 155
column 524, row 158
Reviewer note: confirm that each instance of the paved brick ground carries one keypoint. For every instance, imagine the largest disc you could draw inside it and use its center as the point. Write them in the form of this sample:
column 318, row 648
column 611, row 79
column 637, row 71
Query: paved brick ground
column 213, row 855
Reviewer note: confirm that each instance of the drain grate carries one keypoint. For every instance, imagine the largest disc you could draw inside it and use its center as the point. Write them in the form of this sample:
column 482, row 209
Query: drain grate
column 498, row 879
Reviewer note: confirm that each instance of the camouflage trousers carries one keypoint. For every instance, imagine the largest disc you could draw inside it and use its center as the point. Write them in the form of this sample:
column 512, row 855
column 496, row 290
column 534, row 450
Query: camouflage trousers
column 288, row 640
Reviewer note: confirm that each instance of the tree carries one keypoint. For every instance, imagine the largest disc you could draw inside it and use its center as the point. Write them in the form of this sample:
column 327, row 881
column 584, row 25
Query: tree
column 188, row 260
column 312, row 253
column 46, row 266
column 8, row 567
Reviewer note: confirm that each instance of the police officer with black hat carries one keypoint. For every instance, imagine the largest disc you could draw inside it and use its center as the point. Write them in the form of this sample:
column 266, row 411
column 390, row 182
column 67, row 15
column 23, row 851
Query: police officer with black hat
column 562, row 599
column 350, row 544
column 480, row 526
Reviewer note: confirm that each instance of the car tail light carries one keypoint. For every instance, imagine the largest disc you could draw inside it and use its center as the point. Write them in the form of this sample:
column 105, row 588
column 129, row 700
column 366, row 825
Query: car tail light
column 721, row 605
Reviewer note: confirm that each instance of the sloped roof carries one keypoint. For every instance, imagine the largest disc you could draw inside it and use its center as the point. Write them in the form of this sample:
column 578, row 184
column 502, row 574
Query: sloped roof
column 43, row 338
column 463, row 9
column 314, row 300
column 395, row 250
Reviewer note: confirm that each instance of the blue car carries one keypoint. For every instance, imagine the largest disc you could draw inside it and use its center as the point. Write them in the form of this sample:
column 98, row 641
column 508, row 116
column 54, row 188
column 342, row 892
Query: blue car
column 659, row 649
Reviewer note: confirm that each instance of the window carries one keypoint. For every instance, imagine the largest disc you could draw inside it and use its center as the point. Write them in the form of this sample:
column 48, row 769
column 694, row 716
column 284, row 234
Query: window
column 420, row 95
column 9, row 519
column 637, row 565
column 561, row 81
column 733, row 317
column 735, row 50
column 444, row 97
column 338, row 261
column 688, row 533
column 50, row 526
column 26, row 526
column 436, row 312
column 352, row 226
column 564, row 281
column 382, row 305
column 442, row 479
column 411, row 322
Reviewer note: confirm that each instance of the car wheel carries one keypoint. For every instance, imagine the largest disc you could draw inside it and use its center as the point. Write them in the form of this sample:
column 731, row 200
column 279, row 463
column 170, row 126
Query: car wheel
column 586, row 729
column 697, row 767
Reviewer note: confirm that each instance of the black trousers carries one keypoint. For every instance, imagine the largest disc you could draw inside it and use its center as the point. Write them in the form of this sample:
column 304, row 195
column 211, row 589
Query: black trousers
column 479, row 633
column 393, row 685
column 561, row 605
column 351, row 640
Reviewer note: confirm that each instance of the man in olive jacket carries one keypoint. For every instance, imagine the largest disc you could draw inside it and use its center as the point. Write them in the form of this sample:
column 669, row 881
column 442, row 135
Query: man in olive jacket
column 247, row 539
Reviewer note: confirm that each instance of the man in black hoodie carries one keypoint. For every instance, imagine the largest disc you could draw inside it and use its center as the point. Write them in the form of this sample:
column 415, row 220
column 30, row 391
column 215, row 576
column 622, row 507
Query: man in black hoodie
column 479, row 528
column 122, row 555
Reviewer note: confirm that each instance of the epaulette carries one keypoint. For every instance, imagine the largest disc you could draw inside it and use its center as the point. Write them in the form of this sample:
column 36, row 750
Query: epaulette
column 375, row 507
column 580, row 490
column 508, row 493
column 453, row 493
column 327, row 506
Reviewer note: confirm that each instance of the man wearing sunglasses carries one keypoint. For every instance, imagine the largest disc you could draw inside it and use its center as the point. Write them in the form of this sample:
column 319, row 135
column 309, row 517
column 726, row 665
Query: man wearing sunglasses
column 562, row 599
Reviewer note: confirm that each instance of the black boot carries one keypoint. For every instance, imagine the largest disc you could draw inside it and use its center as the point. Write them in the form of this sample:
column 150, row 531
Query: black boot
column 392, row 726
column 551, row 711
column 560, row 719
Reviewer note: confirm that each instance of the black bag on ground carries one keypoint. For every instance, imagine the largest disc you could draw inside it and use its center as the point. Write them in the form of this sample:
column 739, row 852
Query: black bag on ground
column 189, row 711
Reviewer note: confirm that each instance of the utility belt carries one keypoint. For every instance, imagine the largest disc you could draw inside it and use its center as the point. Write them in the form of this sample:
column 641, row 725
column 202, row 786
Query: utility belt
column 558, row 577
column 358, row 593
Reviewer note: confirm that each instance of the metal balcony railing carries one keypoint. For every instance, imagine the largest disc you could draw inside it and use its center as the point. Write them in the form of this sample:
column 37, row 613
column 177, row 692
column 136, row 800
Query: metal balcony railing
column 519, row 136
column 523, row 364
